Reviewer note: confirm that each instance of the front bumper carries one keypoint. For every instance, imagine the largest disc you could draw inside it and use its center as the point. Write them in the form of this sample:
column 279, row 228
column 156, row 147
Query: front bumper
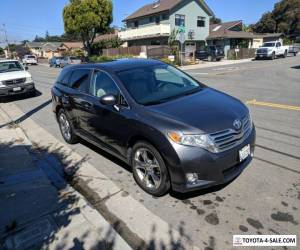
column 11, row 90
column 263, row 55
column 212, row 169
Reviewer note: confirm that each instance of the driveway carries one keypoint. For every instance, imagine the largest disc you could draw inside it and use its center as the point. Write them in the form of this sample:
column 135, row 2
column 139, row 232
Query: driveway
column 265, row 199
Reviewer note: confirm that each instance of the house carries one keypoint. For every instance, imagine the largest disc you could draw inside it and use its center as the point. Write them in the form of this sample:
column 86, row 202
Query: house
column 153, row 23
column 50, row 49
column 230, row 35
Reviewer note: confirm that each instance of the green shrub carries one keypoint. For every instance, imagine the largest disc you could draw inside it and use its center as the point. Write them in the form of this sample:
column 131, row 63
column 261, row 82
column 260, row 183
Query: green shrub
column 108, row 58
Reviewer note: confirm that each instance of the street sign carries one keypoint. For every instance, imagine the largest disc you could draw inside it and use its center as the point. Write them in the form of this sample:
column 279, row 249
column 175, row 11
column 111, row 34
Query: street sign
column 181, row 29
column 181, row 38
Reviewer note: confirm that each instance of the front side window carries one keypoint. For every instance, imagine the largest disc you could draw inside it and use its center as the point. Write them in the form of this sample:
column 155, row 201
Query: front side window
column 80, row 79
column 10, row 66
column 102, row 84
column 179, row 20
column 157, row 84
column 201, row 21
column 270, row 45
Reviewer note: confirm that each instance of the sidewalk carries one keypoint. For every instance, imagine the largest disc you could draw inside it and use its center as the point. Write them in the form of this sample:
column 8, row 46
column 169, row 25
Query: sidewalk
column 38, row 209
column 205, row 64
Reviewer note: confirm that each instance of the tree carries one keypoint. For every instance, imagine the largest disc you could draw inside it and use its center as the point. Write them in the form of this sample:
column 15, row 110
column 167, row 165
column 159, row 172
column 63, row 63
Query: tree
column 172, row 41
column 285, row 18
column 1, row 51
column 87, row 18
column 215, row 20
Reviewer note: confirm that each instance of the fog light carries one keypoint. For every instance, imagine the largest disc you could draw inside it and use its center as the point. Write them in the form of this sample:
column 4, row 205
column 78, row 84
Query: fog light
column 192, row 178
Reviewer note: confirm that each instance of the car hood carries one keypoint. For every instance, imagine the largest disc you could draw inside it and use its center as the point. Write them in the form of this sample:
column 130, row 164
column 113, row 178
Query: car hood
column 208, row 111
column 14, row 75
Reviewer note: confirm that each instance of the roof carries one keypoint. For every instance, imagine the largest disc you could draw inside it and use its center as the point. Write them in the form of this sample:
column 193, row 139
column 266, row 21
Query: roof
column 120, row 64
column 53, row 46
column 35, row 44
column 222, row 30
column 162, row 6
column 266, row 35
column 8, row 60
column 106, row 37
column 73, row 45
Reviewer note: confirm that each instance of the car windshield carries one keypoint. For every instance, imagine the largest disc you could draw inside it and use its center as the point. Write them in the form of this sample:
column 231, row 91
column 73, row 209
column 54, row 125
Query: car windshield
column 10, row 66
column 157, row 84
column 269, row 45
column 31, row 57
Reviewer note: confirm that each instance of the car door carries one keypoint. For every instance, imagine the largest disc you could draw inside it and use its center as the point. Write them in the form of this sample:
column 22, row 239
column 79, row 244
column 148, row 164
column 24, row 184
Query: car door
column 108, row 124
column 77, row 97
column 278, row 49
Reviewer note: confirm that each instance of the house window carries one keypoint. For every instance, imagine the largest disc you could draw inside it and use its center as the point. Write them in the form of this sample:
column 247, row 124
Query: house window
column 165, row 16
column 157, row 19
column 180, row 20
column 136, row 24
column 201, row 21
column 151, row 19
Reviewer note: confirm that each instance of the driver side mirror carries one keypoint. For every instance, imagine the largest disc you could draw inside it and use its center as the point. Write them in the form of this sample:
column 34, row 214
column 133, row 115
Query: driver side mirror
column 26, row 68
column 108, row 100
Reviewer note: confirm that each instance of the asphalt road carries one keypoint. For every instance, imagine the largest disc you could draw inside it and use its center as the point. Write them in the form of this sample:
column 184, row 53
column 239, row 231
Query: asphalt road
column 265, row 199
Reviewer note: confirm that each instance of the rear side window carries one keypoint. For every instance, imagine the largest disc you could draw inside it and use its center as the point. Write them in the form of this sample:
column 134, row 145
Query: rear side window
column 80, row 80
column 64, row 77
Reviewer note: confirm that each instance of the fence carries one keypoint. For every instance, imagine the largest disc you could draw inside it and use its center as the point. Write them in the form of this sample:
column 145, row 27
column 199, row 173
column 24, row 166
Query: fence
column 159, row 51
column 134, row 50
column 242, row 53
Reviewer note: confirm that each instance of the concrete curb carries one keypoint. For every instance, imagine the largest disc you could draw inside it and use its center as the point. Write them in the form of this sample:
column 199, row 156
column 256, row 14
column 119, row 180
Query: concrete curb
column 118, row 207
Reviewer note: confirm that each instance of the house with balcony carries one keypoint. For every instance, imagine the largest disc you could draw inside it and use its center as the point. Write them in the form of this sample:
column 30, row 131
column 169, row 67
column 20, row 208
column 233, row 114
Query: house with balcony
column 153, row 23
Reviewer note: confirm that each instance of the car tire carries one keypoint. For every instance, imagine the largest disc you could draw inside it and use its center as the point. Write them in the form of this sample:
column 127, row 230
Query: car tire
column 273, row 56
column 295, row 53
column 149, row 169
column 66, row 127
column 285, row 54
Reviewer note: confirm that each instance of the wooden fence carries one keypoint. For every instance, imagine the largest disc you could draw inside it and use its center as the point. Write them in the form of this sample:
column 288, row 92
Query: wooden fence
column 242, row 53
column 134, row 50
column 159, row 51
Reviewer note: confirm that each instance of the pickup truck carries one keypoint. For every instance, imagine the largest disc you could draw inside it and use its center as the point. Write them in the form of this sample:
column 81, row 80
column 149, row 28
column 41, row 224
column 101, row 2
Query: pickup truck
column 272, row 50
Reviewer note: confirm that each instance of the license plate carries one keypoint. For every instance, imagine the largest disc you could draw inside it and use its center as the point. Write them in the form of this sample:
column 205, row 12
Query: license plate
column 17, row 89
column 244, row 152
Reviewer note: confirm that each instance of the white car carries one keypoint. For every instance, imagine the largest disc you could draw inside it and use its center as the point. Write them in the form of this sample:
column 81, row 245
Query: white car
column 29, row 59
column 15, row 79
column 272, row 50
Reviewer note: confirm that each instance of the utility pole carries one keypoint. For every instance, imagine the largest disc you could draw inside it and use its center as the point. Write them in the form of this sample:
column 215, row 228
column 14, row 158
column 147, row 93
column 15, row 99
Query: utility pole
column 5, row 33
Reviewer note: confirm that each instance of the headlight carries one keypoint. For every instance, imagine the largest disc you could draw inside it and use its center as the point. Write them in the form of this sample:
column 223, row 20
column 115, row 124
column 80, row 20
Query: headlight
column 1, row 84
column 202, row 141
column 29, row 80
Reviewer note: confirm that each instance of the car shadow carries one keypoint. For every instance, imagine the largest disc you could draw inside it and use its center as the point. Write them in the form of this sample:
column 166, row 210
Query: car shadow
column 19, row 97
column 296, row 67
column 26, row 115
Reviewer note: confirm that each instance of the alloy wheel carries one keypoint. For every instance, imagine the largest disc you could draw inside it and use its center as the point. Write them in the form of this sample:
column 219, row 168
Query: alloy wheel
column 65, row 126
column 147, row 168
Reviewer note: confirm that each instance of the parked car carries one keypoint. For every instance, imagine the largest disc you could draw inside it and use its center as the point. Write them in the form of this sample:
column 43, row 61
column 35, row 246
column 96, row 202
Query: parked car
column 69, row 61
column 210, row 53
column 174, row 131
column 293, row 50
column 14, row 79
column 30, row 59
column 55, row 61
column 272, row 50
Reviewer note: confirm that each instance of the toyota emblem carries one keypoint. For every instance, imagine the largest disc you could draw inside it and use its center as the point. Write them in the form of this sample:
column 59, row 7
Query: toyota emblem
column 237, row 124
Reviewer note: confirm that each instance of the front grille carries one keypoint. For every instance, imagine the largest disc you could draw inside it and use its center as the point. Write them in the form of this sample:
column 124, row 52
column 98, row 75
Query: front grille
column 15, row 81
column 262, row 51
column 229, row 138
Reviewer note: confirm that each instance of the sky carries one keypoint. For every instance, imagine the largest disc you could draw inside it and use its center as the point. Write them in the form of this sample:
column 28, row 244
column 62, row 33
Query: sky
column 24, row 19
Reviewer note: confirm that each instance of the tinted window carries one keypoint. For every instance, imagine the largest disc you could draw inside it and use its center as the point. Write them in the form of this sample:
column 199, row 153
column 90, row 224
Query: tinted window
column 102, row 85
column 80, row 79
